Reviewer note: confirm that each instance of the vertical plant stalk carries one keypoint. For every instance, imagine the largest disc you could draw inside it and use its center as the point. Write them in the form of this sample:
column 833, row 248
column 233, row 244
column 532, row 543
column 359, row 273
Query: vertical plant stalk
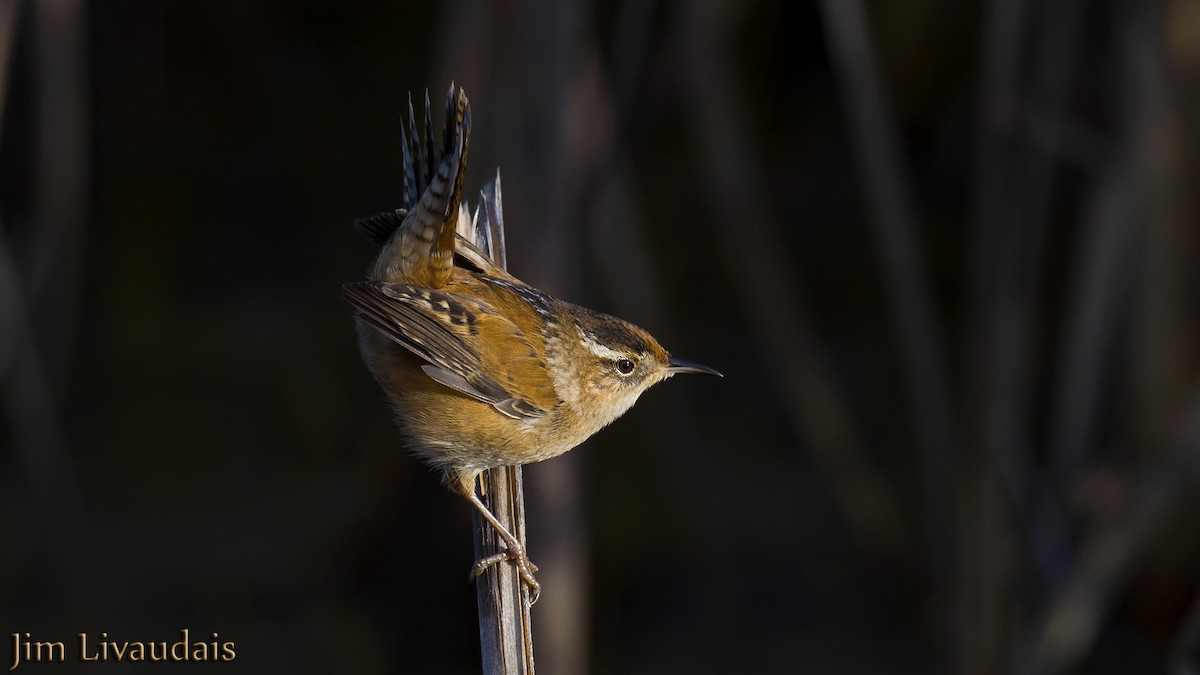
column 505, row 632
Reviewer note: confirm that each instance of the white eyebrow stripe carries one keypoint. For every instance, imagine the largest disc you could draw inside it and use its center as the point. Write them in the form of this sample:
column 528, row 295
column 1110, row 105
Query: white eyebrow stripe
column 603, row 351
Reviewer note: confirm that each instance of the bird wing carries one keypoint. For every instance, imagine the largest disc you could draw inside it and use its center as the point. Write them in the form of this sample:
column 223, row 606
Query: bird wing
column 442, row 328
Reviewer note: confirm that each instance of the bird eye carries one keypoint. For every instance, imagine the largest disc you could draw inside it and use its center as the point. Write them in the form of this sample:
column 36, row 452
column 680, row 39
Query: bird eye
column 625, row 366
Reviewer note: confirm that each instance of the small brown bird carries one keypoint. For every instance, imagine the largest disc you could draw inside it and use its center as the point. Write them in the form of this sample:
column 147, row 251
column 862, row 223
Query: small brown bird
column 482, row 369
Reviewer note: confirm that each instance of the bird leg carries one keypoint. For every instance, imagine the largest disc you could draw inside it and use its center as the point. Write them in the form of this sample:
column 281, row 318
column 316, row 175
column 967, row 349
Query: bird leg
column 515, row 551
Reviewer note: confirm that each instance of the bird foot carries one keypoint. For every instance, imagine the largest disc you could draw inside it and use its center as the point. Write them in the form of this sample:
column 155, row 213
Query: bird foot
column 519, row 558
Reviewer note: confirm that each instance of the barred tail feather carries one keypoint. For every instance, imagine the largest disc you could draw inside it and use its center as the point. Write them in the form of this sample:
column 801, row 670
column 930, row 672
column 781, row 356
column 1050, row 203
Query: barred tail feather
column 421, row 250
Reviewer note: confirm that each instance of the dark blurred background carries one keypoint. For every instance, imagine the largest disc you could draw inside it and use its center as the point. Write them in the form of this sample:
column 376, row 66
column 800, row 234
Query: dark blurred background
column 945, row 254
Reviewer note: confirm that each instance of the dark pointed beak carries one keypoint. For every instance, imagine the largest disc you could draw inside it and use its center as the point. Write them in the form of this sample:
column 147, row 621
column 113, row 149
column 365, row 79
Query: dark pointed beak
column 680, row 366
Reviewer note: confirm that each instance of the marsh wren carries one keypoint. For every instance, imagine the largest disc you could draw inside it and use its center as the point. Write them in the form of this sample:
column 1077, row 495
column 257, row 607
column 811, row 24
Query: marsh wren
column 482, row 369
